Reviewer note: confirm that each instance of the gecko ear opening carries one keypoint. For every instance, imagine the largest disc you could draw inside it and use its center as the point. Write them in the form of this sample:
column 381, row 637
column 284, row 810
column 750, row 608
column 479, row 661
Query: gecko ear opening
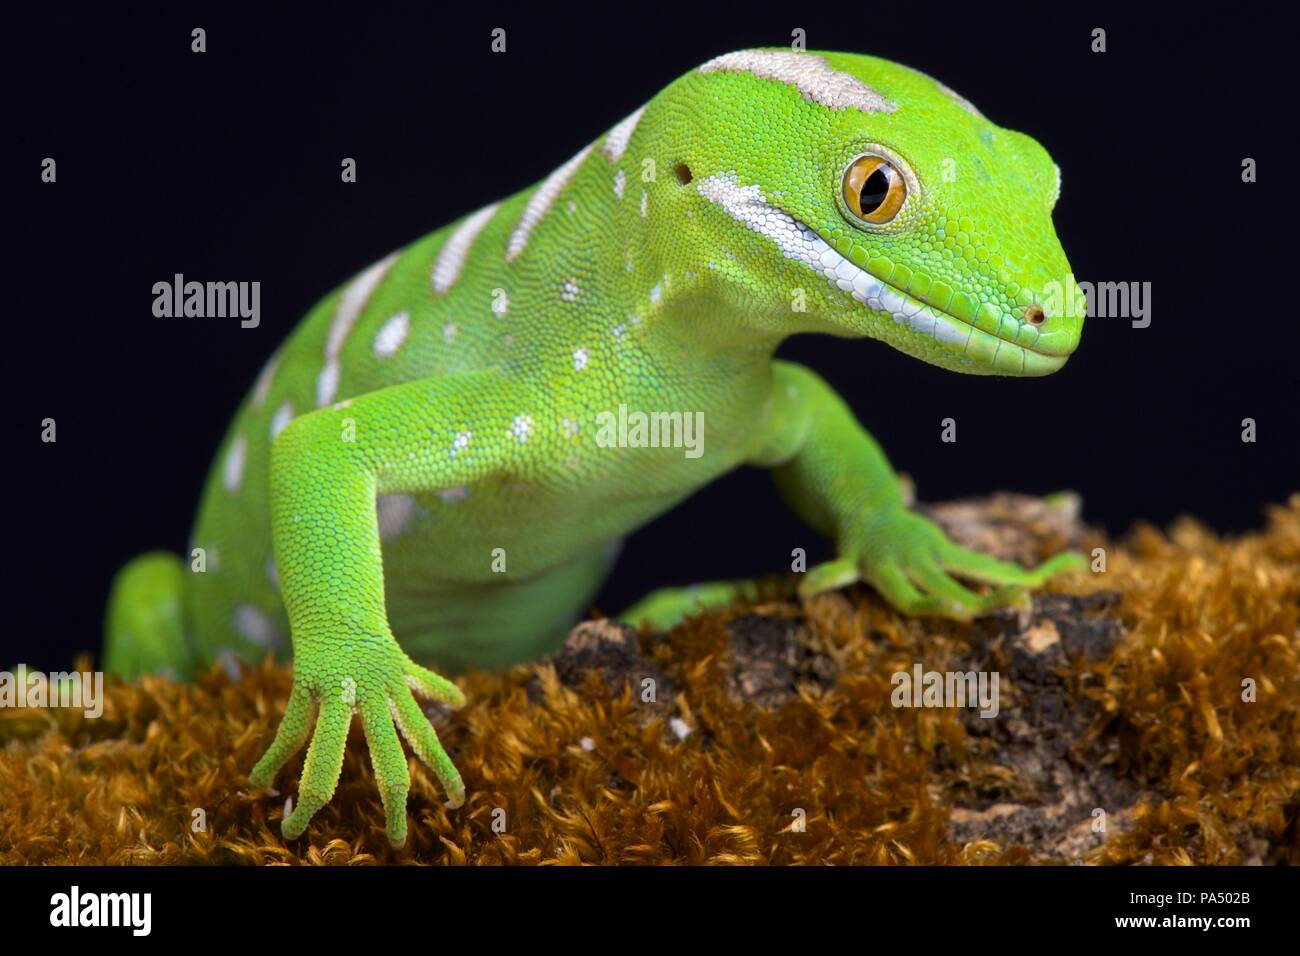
column 683, row 173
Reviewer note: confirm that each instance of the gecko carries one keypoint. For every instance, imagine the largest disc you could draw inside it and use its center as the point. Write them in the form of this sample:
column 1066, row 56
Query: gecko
column 425, row 472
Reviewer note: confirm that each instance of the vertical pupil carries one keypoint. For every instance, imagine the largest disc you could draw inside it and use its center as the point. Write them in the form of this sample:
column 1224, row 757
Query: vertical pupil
column 874, row 190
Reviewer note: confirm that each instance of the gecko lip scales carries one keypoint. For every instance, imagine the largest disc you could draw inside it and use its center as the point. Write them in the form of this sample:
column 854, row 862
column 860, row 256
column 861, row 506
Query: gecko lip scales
column 802, row 243
column 953, row 333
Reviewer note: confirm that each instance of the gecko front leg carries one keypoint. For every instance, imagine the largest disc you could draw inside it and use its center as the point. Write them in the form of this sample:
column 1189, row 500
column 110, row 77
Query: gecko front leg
column 836, row 477
column 326, row 470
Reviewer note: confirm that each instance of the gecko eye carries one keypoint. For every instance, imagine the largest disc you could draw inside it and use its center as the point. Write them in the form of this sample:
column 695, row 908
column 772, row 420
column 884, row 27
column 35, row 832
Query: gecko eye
column 874, row 189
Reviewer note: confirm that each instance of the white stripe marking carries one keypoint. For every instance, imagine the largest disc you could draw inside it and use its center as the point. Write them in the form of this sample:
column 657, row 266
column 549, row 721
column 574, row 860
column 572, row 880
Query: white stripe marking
column 964, row 103
column 262, row 388
column 454, row 252
column 617, row 140
column 810, row 74
column 540, row 202
column 796, row 241
column 280, row 421
column 350, row 307
column 327, row 383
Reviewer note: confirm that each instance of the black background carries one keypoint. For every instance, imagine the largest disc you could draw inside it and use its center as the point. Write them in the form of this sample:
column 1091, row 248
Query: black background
column 225, row 165
column 899, row 906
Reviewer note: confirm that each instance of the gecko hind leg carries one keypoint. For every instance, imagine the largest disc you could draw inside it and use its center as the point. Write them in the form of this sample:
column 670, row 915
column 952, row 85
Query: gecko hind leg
column 667, row 607
column 144, row 626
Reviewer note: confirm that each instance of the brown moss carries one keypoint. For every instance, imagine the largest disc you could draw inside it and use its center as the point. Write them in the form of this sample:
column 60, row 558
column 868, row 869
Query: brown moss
column 1135, row 702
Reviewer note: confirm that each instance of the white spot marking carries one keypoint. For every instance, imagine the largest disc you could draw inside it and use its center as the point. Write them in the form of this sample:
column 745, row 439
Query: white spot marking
column 539, row 202
column 394, row 513
column 229, row 662
column 570, row 292
column 454, row 252
column 234, row 465
column 618, row 138
column 810, row 74
column 391, row 335
column 580, row 357
column 461, row 442
column 256, row 627
column 643, row 203
column 449, row 332
column 620, row 181
column 521, row 427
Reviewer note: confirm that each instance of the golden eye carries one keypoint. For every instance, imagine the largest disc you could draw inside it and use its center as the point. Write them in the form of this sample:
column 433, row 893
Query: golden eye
column 874, row 189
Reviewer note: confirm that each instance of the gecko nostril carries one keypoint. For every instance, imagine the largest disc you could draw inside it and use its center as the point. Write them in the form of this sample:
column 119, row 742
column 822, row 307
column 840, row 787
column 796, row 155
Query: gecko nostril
column 1035, row 315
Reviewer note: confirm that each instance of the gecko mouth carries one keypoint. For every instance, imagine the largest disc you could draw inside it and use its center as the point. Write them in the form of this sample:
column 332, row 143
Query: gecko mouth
column 969, row 344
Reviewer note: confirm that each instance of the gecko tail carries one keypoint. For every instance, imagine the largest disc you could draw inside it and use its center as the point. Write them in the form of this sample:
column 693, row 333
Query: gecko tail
column 144, row 629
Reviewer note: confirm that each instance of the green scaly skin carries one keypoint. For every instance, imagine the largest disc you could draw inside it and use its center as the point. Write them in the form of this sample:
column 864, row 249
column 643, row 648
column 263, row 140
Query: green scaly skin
column 454, row 390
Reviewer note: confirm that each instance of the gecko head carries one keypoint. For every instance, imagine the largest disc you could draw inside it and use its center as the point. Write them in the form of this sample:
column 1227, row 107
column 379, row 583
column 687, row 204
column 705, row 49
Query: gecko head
column 874, row 201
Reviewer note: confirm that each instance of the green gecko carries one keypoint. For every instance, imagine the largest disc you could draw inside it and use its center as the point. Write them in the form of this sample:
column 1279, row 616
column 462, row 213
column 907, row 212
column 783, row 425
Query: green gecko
column 427, row 458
